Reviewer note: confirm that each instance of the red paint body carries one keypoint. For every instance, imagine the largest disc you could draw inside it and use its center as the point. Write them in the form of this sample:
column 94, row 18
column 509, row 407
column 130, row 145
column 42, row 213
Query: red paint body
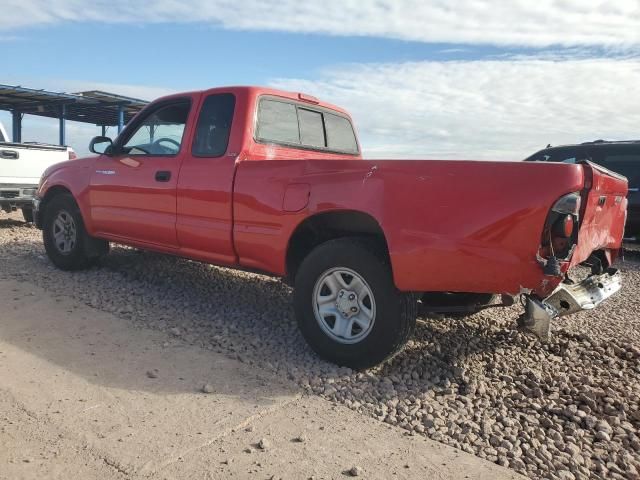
column 468, row 226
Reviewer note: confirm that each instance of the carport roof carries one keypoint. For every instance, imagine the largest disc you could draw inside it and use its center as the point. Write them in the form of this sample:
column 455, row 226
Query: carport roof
column 95, row 106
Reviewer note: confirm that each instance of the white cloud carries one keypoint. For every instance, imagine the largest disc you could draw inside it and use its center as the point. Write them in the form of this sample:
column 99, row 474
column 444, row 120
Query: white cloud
column 501, row 109
column 614, row 23
column 482, row 109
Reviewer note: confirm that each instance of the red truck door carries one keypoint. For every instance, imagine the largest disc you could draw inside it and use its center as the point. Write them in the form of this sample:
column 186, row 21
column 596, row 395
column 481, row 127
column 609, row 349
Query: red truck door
column 205, row 185
column 133, row 191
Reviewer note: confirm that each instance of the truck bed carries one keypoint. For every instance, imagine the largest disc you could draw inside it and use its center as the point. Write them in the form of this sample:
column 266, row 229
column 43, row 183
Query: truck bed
column 449, row 225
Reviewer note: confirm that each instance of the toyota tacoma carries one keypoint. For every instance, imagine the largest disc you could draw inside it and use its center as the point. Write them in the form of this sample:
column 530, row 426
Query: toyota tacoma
column 274, row 182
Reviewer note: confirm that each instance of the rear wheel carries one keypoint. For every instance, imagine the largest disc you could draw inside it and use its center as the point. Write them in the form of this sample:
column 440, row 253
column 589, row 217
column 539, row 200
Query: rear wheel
column 65, row 239
column 27, row 213
column 347, row 307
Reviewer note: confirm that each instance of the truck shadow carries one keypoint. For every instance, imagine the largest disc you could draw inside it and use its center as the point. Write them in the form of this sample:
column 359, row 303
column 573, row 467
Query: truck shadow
column 12, row 223
column 245, row 316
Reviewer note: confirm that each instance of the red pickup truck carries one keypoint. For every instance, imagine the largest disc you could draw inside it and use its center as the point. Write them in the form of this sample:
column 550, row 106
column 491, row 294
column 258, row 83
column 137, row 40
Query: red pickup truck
column 272, row 181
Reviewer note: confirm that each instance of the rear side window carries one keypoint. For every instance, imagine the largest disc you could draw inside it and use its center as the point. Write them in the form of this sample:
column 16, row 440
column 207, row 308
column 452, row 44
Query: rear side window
column 214, row 126
column 627, row 164
column 340, row 134
column 291, row 124
column 278, row 122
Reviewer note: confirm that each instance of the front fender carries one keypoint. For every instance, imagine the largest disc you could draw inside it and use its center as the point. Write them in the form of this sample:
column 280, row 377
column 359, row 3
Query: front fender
column 73, row 177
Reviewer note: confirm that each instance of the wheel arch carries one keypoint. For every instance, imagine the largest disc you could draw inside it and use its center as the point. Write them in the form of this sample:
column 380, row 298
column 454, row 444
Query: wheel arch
column 51, row 192
column 329, row 225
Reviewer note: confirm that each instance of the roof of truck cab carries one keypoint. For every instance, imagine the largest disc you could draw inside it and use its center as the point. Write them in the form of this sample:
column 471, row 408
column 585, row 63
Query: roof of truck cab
column 258, row 91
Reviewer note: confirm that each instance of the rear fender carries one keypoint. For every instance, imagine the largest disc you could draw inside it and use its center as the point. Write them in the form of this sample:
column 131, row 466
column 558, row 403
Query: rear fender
column 603, row 214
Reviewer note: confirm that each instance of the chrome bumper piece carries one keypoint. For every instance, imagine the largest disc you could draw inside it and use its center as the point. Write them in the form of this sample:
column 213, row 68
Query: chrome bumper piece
column 567, row 299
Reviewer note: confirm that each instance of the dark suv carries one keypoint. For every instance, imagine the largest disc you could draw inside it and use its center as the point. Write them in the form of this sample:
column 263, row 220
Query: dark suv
column 619, row 157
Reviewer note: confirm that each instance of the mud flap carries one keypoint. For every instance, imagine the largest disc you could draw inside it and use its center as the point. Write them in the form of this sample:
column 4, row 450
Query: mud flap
column 95, row 247
column 537, row 318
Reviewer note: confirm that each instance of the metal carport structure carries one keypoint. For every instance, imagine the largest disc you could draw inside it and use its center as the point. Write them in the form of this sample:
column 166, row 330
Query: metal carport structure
column 97, row 107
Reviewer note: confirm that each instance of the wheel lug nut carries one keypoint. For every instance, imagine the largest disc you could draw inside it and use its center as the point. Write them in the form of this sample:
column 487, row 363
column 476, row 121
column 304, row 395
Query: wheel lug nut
column 352, row 297
column 354, row 309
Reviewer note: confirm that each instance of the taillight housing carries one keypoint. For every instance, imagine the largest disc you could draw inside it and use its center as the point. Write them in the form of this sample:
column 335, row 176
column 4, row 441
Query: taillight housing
column 569, row 204
column 560, row 234
column 72, row 155
column 563, row 227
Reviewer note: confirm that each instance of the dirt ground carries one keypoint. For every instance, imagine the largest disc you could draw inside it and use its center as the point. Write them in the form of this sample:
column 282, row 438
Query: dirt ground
column 114, row 359
column 84, row 394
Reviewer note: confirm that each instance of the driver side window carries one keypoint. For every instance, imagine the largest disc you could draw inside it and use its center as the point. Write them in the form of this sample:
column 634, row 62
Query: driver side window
column 160, row 133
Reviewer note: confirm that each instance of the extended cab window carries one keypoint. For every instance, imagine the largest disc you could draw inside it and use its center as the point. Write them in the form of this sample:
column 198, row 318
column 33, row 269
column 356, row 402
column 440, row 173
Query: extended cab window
column 311, row 128
column 340, row 135
column 278, row 122
column 291, row 124
column 214, row 125
column 160, row 133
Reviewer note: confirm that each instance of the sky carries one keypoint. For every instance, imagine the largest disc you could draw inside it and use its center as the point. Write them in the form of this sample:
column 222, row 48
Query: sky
column 474, row 79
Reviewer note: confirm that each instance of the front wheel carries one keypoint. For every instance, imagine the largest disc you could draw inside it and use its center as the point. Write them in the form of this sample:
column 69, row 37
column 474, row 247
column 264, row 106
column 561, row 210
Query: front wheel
column 347, row 306
column 65, row 239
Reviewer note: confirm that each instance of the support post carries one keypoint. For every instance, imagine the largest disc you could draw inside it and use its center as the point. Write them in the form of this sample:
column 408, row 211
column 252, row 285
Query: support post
column 16, row 126
column 120, row 118
column 104, row 131
column 62, row 125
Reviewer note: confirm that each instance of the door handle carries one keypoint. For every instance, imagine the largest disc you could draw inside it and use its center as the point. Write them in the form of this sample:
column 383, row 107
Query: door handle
column 11, row 154
column 163, row 176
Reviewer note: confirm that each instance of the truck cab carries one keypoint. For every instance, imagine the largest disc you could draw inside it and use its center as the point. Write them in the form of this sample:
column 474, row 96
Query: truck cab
column 168, row 178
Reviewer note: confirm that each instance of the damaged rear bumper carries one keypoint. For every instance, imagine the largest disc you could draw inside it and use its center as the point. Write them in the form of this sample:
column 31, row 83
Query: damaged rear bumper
column 567, row 299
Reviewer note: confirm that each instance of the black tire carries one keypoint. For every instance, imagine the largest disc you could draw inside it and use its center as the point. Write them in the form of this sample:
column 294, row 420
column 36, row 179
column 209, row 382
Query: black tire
column 84, row 251
column 395, row 313
column 27, row 213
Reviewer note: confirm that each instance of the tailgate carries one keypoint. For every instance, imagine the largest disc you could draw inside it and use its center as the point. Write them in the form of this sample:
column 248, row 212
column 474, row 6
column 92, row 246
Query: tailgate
column 603, row 212
column 23, row 164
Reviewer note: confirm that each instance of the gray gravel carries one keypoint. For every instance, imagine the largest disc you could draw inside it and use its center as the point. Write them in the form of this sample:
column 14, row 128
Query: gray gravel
column 569, row 409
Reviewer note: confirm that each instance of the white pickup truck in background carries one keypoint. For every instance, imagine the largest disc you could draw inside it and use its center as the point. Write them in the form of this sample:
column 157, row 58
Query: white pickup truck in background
column 21, row 166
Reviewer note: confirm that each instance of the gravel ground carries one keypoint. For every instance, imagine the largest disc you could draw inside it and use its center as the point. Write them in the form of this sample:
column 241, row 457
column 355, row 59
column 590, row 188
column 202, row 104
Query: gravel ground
column 567, row 409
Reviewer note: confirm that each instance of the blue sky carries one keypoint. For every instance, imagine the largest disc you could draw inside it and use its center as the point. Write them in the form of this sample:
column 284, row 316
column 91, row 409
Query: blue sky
column 198, row 56
column 480, row 79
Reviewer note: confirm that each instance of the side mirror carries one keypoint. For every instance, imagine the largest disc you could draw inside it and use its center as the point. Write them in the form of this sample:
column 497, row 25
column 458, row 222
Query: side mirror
column 101, row 145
